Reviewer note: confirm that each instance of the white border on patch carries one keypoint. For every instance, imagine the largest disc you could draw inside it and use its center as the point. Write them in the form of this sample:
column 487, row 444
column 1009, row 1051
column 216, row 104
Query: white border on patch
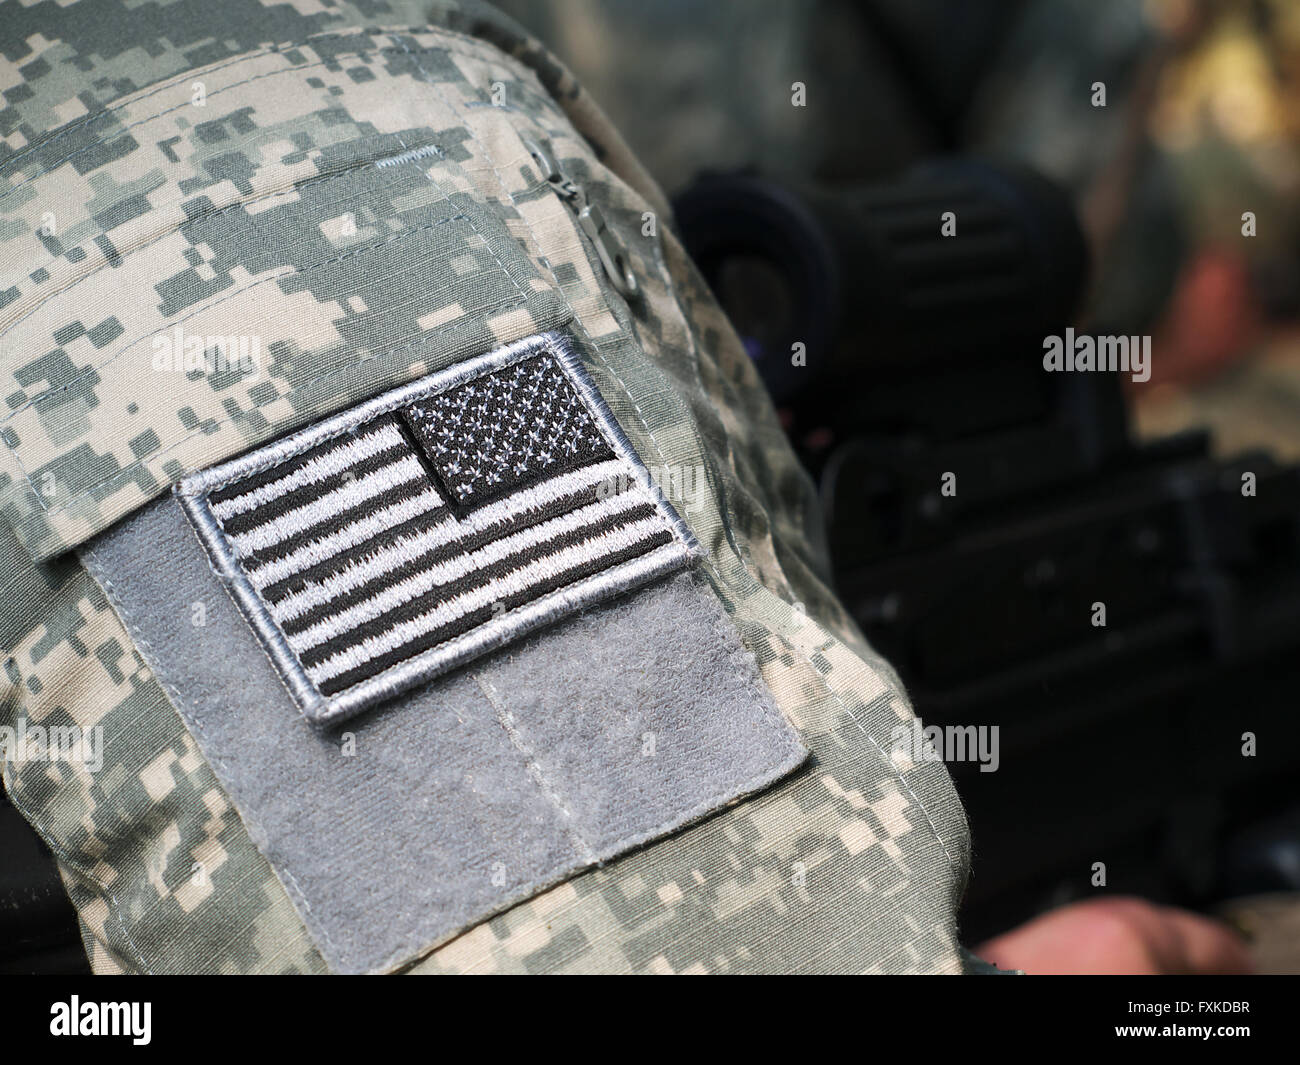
column 322, row 710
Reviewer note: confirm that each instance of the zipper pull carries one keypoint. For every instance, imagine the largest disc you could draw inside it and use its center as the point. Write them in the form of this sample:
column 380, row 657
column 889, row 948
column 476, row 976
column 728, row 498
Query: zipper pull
column 591, row 220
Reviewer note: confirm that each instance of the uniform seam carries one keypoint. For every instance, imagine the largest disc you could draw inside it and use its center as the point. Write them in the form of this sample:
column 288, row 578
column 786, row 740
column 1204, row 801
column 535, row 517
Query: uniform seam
column 198, row 74
column 190, row 720
column 121, row 257
column 534, row 768
column 288, row 271
column 470, row 46
column 314, row 382
column 174, row 80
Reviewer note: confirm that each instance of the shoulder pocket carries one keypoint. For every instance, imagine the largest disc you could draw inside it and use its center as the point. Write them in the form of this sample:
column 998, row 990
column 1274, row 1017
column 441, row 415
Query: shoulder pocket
column 267, row 288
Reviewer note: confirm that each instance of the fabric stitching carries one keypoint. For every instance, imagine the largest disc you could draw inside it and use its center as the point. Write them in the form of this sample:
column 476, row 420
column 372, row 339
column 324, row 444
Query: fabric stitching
column 289, row 271
column 115, row 908
column 229, row 583
column 897, row 774
column 422, row 338
column 741, row 792
column 469, row 46
column 122, row 257
column 176, row 79
column 216, row 92
column 191, row 719
column 534, row 769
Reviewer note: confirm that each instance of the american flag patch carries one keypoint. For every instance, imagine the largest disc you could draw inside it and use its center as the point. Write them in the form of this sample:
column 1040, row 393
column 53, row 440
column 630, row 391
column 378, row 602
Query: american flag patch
column 404, row 537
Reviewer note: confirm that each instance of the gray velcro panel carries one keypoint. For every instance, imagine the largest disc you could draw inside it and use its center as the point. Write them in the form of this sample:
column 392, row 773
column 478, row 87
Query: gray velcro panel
column 428, row 813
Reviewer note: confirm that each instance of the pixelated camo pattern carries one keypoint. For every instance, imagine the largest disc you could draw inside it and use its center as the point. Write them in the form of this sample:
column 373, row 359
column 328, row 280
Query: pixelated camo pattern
column 363, row 201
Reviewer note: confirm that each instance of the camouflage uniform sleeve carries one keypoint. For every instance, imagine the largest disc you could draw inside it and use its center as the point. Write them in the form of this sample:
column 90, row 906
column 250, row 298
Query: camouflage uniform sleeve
column 267, row 204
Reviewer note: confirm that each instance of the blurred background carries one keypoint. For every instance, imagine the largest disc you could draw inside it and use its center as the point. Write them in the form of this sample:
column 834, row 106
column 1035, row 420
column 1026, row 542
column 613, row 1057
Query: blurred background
column 1201, row 123
column 1164, row 206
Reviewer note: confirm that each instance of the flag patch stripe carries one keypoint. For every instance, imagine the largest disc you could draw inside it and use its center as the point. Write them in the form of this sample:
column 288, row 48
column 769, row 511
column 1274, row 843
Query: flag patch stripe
column 263, row 572
column 387, row 534
column 451, row 580
column 424, row 640
column 427, row 552
column 269, row 473
column 397, row 540
column 328, row 462
column 368, row 535
column 396, row 496
column 401, row 478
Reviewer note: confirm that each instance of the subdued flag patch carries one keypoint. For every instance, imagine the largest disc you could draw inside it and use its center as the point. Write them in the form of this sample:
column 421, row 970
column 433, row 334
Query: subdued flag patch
column 392, row 542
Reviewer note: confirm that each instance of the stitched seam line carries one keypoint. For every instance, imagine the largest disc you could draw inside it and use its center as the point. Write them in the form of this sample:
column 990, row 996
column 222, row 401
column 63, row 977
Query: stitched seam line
column 190, row 721
column 289, row 271
column 534, row 769
column 122, row 257
column 471, row 46
column 451, row 41
column 352, row 364
column 216, row 92
column 193, row 72
column 741, row 792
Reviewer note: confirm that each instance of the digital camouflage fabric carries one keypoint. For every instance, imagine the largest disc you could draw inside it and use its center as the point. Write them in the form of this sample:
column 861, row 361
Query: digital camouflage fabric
column 362, row 202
